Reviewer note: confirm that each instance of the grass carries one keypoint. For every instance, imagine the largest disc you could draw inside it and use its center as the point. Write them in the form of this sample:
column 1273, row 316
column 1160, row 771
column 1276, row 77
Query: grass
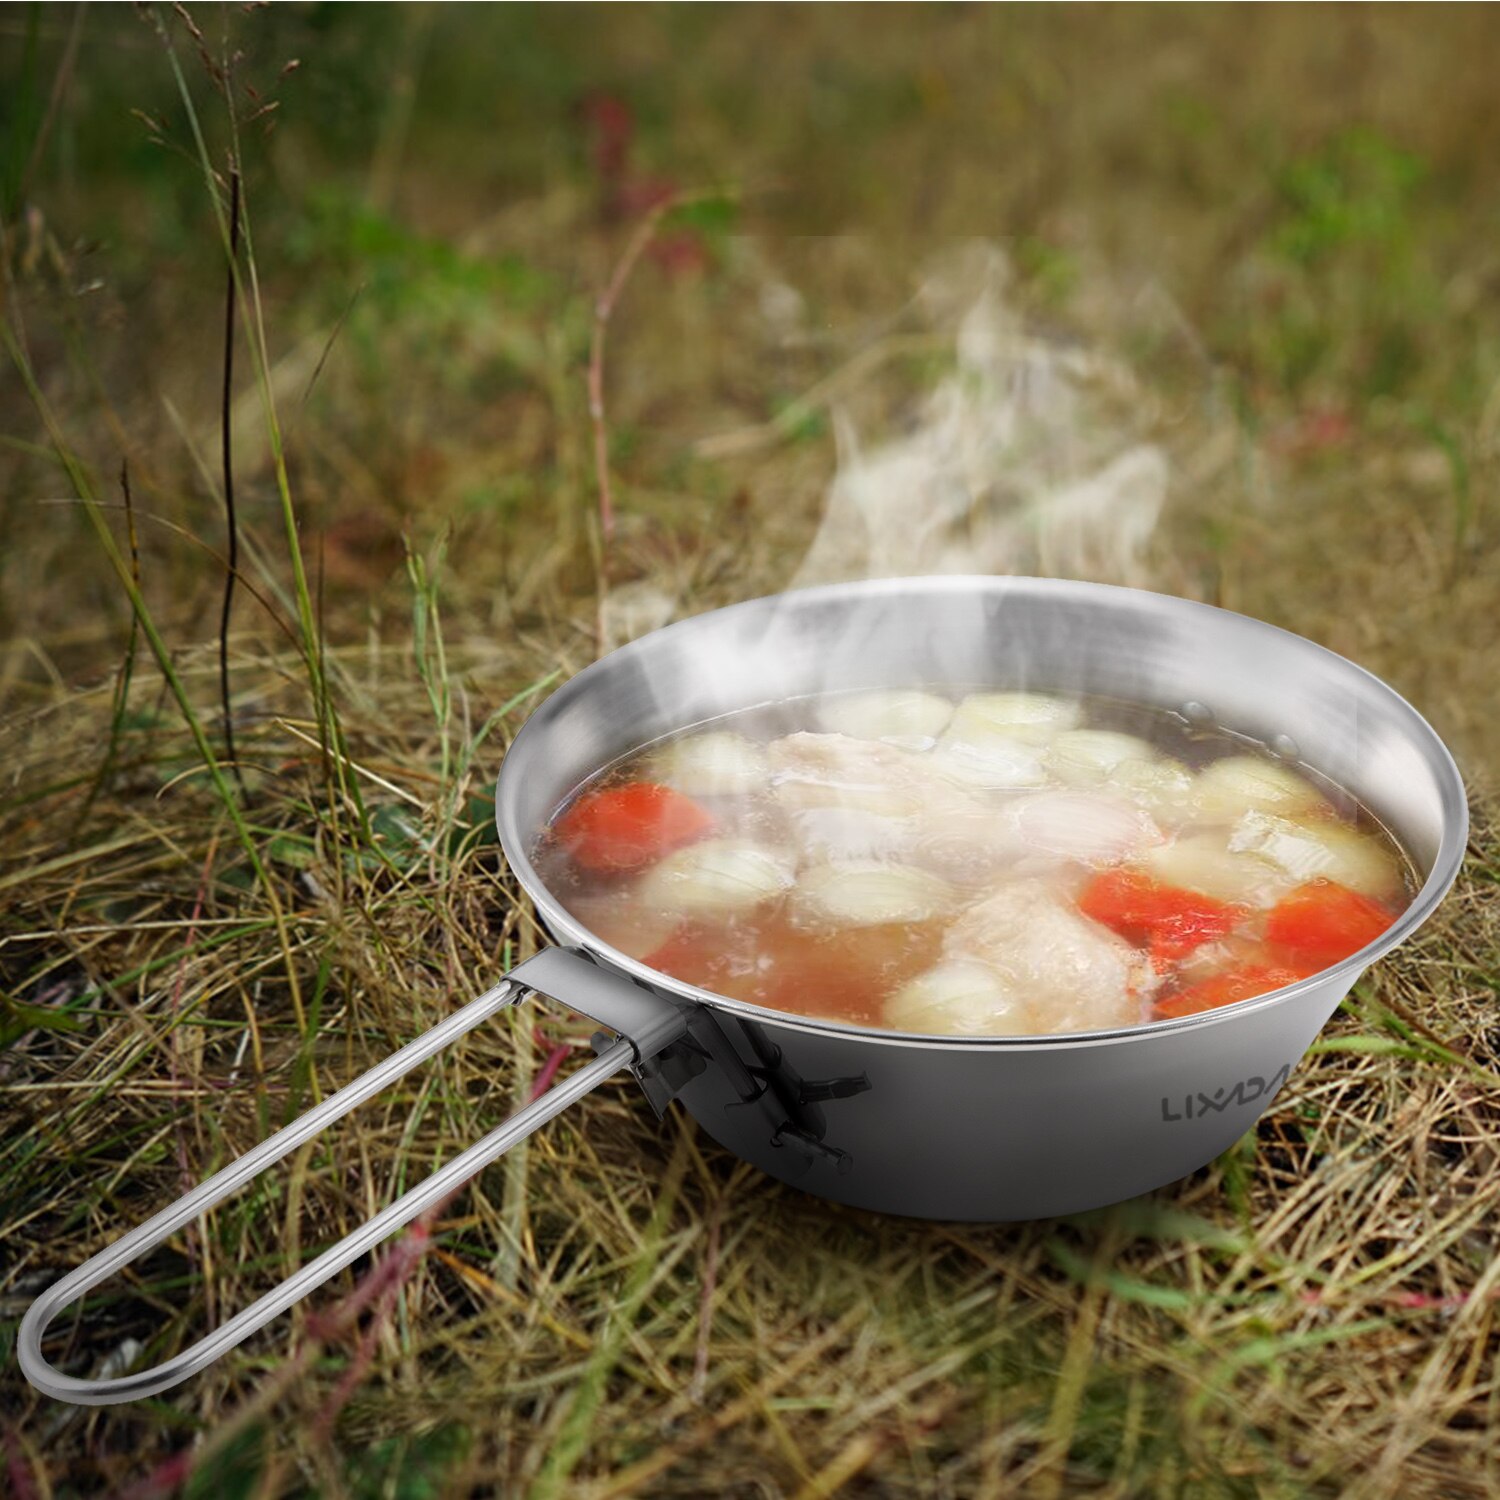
column 1281, row 257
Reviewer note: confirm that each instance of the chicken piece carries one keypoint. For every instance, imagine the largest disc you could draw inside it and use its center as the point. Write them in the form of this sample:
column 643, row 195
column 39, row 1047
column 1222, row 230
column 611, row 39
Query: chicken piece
column 1074, row 974
column 970, row 842
column 1093, row 828
column 848, row 799
column 854, row 799
column 836, row 770
column 1311, row 849
column 1205, row 862
column 843, row 798
column 1226, row 955
column 822, row 834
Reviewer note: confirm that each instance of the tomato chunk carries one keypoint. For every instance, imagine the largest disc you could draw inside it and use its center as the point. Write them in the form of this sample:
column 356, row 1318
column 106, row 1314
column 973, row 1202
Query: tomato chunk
column 1225, row 989
column 624, row 827
column 1321, row 922
column 1166, row 919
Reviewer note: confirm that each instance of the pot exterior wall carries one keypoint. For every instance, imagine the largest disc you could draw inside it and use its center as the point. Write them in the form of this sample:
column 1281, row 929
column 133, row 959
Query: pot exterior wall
column 990, row 1136
column 964, row 1128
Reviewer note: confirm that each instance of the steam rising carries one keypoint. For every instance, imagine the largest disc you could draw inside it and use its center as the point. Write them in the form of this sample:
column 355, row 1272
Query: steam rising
column 1026, row 458
column 1019, row 461
column 950, row 759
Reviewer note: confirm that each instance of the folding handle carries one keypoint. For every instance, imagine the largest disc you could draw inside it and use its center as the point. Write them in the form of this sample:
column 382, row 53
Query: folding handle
column 646, row 1025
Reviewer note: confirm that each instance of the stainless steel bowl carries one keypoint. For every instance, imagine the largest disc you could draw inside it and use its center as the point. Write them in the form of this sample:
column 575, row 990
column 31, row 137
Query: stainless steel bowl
column 942, row 1128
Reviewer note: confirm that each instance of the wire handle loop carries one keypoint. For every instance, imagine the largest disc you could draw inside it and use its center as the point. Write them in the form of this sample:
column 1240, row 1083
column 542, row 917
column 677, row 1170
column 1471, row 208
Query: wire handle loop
column 652, row 1025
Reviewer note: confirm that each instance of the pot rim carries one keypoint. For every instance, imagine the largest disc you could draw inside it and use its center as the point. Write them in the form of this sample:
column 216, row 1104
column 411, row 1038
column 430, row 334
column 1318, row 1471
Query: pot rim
column 1445, row 865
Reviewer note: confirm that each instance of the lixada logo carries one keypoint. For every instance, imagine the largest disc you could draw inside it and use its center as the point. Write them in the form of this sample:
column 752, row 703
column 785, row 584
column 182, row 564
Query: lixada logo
column 1245, row 1092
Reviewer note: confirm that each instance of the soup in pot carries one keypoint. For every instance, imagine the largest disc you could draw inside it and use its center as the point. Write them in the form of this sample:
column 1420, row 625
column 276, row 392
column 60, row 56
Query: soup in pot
column 972, row 863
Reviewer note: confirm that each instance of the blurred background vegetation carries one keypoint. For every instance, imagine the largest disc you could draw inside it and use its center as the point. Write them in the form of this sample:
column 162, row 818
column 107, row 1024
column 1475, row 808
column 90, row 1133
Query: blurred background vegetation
column 1285, row 221
column 1290, row 215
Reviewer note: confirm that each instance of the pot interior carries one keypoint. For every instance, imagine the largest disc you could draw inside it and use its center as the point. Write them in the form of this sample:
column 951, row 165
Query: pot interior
column 1240, row 674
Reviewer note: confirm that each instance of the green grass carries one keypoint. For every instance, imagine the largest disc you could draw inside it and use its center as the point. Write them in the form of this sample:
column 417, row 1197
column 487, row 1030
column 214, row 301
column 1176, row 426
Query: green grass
column 1277, row 262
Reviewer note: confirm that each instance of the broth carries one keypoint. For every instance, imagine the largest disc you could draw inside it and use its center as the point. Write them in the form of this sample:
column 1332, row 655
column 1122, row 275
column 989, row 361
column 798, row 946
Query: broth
column 972, row 862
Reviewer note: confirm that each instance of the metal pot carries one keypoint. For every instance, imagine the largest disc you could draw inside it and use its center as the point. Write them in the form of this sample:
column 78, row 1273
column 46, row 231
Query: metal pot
column 939, row 1128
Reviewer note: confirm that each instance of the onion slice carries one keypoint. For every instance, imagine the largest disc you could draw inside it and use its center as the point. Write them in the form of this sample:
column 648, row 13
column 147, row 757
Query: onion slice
column 1238, row 784
column 622, row 920
column 866, row 892
column 1033, row 718
column 959, row 997
column 717, row 877
column 1087, row 757
column 716, row 764
column 905, row 717
column 1163, row 787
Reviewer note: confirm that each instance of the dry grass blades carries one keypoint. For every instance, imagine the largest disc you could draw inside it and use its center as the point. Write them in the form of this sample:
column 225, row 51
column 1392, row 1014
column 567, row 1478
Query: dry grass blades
column 1270, row 231
column 619, row 1308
